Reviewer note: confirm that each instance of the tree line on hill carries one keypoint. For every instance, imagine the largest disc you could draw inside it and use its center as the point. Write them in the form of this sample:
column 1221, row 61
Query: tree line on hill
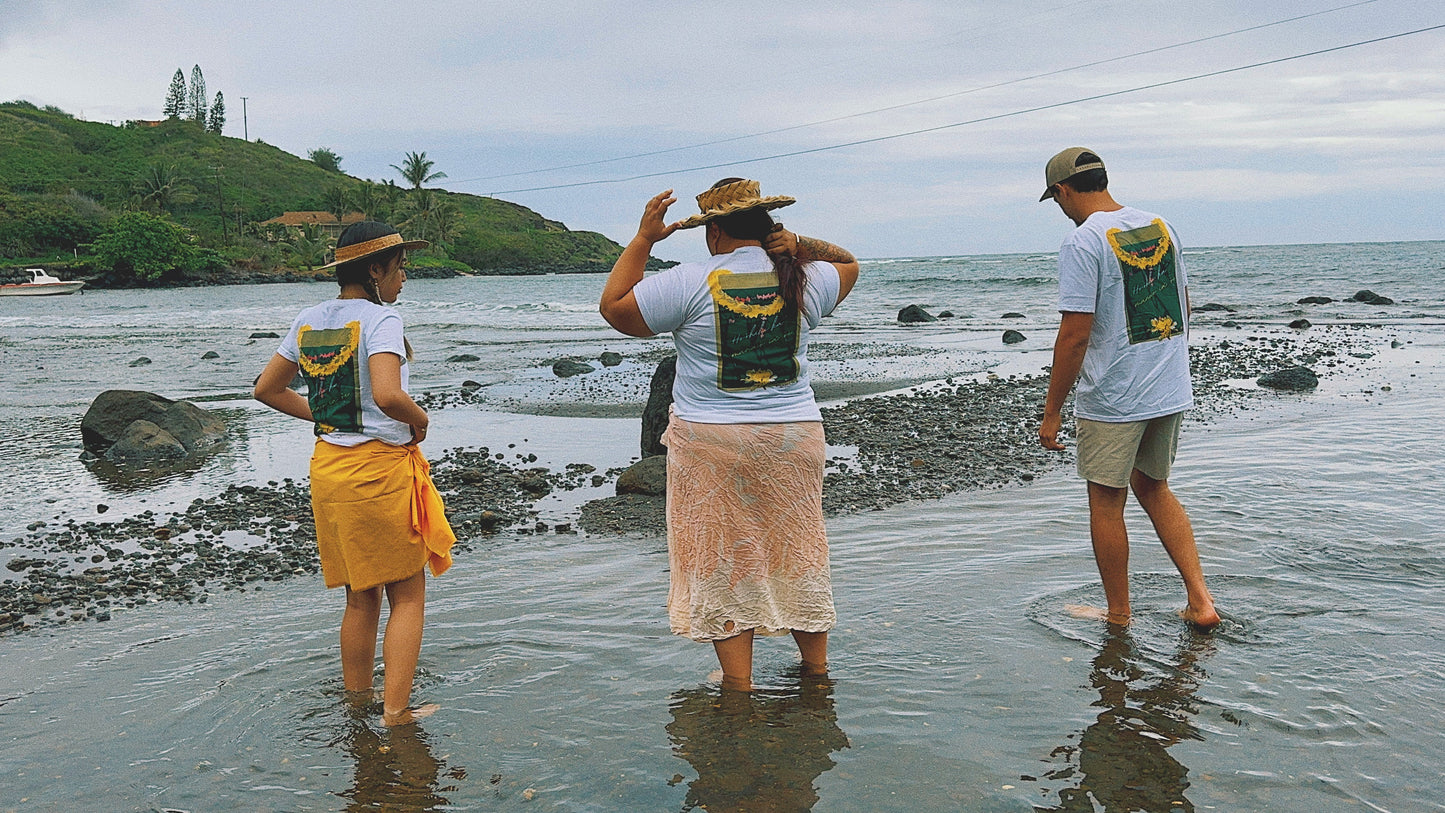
column 189, row 102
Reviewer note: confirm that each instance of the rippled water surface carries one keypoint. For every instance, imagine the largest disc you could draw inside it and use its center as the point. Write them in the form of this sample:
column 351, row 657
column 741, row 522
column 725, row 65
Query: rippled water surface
column 959, row 680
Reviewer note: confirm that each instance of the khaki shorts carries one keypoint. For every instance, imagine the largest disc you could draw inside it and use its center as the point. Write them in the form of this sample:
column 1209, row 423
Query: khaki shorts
column 1109, row 452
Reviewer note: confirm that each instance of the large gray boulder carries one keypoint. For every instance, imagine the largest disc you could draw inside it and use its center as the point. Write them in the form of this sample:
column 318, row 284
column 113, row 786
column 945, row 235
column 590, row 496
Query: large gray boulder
column 915, row 314
column 659, row 399
column 163, row 426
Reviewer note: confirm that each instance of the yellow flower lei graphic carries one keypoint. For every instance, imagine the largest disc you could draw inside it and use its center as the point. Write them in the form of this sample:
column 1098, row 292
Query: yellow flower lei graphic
column 1164, row 326
column 1143, row 257
column 714, row 284
column 759, row 378
column 314, row 366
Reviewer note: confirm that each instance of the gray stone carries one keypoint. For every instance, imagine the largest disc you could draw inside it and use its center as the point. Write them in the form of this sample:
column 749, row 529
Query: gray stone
column 265, row 334
column 1371, row 298
column 210, row 354
column 461, row 357
column 1213, row 306
column 915, row 314
column 945, row 314
column 1290, row 379
column 143, row 441
column 610, row 359
column 1013, row 315
column 647, row 476
column 113, row 411
column 1315, row 300
column 659, row 399
column 566, row 368
column 1300, row 324
column 1013, row 337
column 140, row 362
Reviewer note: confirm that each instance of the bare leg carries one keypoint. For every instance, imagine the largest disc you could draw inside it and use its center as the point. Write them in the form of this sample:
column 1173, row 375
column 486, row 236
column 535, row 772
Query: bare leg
column 358, row 638
column 736, row 656
column 813, row 646
column 401, row 647
column 1175, row 531
column 1111, row 547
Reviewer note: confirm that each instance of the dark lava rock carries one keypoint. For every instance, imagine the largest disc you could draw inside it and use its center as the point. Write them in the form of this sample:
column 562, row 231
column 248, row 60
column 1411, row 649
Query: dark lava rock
column 1229, row 323
column 1013, row 315
column 914, row 314
column 1371, row 298
column 143, row 440
column 1300, row 324
column 610, row 359
column 463, row 357
column 1213, row 306
column 1290, row 379
column 625, row 515
column 140, row 362
column 566, row 368
column 265, row 334
column 647, row 476
column 210, row 354
column 470, row 385
column 659, row 399
column 1315, row 300
column 945, row 314
column 1013, row 337
column 113, row 411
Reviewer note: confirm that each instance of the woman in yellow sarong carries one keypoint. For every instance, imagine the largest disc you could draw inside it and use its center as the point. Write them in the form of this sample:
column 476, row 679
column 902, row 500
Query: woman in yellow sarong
column 379, row 519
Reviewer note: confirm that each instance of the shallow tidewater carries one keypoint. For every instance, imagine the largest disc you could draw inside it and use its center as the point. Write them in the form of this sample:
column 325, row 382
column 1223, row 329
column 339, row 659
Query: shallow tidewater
column 958, row 680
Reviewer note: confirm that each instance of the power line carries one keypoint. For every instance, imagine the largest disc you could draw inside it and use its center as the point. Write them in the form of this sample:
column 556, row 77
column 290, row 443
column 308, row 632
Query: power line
column 980, row 120
column 901, row 105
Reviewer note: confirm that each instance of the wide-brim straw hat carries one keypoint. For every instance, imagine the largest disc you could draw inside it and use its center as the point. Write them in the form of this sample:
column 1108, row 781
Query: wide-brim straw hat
column 360, row 251
column 738, row 196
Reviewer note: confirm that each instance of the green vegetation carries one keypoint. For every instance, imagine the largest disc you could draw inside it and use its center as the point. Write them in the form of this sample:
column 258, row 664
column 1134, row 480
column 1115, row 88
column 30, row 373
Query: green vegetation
column 65, row 183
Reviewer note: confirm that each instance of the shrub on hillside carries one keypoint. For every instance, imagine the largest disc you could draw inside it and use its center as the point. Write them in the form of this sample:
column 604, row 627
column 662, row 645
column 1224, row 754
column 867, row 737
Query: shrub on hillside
column 141, row 247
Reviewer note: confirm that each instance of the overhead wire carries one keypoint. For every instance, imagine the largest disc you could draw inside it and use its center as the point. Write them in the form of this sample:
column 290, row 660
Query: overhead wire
column 979, row 120
column 916, row 102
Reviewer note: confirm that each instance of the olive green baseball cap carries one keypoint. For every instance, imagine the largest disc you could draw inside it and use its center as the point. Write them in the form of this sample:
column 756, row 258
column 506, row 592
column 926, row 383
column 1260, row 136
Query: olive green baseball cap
column 1066, row 165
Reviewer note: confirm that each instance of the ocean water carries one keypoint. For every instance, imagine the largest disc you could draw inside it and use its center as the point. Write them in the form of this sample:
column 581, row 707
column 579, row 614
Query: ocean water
column 959, row 682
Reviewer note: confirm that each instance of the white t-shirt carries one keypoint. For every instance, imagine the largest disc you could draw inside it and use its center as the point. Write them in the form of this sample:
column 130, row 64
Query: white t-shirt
column 1133, row 281
column 741, row 356
column 332, row 342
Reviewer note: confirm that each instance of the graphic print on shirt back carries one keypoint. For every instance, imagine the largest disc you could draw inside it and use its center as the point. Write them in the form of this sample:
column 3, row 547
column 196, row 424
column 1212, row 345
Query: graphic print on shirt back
column 1151, row 285
column 757, row 336
column 328, row 361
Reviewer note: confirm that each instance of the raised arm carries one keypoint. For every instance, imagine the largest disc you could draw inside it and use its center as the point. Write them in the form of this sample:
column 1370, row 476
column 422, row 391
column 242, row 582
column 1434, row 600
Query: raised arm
column 811, row 249
column 619, row 305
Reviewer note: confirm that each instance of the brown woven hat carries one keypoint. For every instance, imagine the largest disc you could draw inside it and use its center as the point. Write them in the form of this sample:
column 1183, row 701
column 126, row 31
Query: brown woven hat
column 360, row 251
column 738, row 196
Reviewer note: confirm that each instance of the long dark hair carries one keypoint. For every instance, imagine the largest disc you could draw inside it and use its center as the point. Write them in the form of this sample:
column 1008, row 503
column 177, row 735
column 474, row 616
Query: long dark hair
column 358, row 272
column 757, row 224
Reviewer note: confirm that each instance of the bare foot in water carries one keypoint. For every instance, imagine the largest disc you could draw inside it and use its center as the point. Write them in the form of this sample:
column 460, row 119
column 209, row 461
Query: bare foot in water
column 1206, row 619
column 411, row 715
column 810, row 669
column 1096, row 614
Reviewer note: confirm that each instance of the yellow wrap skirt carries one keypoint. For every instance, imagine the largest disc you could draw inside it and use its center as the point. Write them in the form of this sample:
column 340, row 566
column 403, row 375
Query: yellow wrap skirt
column 379, row 518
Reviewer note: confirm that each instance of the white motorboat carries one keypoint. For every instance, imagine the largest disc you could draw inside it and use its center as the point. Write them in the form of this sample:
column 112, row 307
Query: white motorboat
column 40, row 284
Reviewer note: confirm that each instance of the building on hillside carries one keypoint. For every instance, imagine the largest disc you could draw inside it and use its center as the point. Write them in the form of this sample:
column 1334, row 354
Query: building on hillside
column 326, row 222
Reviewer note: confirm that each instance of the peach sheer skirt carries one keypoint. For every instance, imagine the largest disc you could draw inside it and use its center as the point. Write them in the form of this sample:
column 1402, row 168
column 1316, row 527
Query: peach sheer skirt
column 745, row 535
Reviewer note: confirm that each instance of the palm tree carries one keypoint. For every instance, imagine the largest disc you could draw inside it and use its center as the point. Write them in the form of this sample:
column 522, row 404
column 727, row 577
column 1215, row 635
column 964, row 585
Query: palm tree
column 160, row 187
column 432, row 217
column 416, row 169
column 308, row 249
column 368, row 200
column 337, row 201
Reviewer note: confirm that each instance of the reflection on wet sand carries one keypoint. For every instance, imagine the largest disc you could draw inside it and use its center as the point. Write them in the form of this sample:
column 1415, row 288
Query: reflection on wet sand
column 758, row 751
column 1121, row 762
column 395, row 770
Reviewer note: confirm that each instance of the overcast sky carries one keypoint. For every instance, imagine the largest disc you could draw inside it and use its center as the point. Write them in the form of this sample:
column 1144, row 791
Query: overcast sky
column 1337, row 147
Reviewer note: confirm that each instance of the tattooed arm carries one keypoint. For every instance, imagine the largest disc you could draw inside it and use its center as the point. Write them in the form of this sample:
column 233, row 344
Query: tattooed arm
column 811, row 249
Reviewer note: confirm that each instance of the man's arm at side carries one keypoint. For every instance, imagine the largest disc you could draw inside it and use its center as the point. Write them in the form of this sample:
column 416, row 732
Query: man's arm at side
column 1069, row 348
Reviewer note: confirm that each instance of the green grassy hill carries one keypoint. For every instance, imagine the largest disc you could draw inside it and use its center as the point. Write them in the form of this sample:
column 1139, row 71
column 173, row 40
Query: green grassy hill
column 63, row 180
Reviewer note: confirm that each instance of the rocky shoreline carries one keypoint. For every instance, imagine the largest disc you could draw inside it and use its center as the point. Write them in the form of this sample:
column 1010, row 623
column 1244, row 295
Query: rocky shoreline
column 935, row 439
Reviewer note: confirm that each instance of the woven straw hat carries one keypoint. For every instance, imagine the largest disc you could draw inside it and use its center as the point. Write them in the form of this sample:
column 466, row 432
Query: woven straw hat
column 360, row 251
column 738, row 196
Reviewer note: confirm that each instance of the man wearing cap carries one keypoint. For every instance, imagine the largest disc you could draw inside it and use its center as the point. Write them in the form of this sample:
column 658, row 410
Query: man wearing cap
column 1123, row 338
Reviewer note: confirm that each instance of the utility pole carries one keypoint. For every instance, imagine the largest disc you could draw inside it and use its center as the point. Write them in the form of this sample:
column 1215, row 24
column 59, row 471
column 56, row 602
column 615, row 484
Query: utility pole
column 245, row 128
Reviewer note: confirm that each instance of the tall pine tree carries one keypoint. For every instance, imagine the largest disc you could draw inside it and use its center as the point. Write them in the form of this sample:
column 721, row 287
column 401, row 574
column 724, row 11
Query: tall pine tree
column 197, row 102
column 218, row 114
column 176, row 97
